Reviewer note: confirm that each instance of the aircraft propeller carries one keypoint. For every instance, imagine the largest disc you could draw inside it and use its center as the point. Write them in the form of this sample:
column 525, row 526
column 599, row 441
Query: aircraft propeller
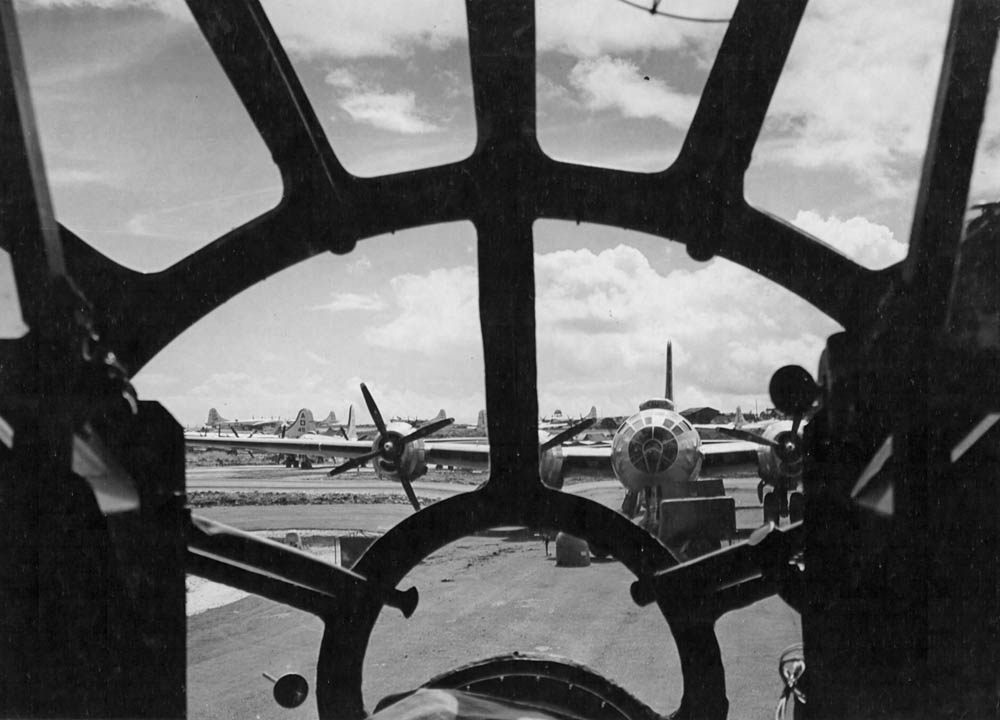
column 390, row 446
column 793, row 391
column 787, row 446
column 570, row 432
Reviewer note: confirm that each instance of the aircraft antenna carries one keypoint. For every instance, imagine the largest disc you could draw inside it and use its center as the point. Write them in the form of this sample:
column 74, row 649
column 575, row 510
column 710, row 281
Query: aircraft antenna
column 654, row 9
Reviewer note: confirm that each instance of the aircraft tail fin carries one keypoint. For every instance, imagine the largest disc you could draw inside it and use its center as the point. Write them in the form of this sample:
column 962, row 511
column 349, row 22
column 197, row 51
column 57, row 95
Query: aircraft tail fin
column 739, row 421
column 304, row 423
column 668, row 391
column 351, row 431
column 440, row 416
column 214, row 418
column 330, row 419
column 481, row 421
column 592, row 415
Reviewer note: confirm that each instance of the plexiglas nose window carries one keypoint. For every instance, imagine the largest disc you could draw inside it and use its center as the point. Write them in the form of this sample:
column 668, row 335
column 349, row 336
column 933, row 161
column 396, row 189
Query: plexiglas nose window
column 149, row 152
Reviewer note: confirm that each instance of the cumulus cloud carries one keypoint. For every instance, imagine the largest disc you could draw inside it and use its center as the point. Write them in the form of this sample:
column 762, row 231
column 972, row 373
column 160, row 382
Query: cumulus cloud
column 589, row 28
column 865, row 242
column 611, row 312
column 583, row 28
column 368, row 103
column 435, row 312
column 858, row 91
column 603, row 319
column 341, row 302
column 617, row 83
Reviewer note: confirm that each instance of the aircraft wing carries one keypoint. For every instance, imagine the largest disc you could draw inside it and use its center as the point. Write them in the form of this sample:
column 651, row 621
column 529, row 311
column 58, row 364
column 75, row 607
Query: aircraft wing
column 473, row 456
column 595, row 460
column 314, row 445
column 578, row 460
column 728, row 452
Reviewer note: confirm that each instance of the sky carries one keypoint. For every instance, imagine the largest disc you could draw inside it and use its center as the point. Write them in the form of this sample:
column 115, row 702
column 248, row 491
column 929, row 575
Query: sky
column 150, row 156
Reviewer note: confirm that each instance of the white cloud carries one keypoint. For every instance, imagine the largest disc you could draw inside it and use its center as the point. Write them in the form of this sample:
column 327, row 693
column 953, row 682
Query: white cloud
column 588, row 28
column 77, row 176
column 985, row 186
column 359, row 266
column 394, row 111
column 603, row 319
column 369, row 103
column 436, row 312
column 11, row 321
column 858, row 91
column 342, row 302
column 317, row 358
column 610, row 313
column 616, row 83
column 865, row 242
column 361, row 30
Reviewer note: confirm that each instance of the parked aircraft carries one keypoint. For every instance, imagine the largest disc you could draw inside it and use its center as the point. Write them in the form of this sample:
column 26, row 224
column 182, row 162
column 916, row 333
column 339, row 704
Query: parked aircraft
column 779, row 464
column 558, row 420
column 215, row 421
column 419, row 421
column 303, row 424
column 897, row 599
column 656, row 454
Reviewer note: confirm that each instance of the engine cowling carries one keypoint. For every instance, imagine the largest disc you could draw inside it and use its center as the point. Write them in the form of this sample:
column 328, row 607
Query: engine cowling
column 780, row 466
column 654, row 447
column 409, row 463
column 550, row 467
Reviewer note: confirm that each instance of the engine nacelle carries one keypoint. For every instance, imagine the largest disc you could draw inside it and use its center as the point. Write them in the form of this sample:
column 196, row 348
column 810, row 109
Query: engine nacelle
column 409, row 463
column 779, row 467
column 550, row 467
column 654, row 447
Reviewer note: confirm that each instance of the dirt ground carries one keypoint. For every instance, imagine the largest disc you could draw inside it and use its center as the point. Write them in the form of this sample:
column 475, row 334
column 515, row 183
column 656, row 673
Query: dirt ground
column 480, row 597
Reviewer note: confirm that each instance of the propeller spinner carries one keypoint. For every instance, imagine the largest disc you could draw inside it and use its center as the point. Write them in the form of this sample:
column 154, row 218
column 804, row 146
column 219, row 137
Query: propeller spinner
column 390, row 449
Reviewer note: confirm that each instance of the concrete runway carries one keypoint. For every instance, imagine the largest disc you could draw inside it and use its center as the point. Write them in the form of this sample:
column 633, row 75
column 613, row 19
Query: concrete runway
column 480, row 596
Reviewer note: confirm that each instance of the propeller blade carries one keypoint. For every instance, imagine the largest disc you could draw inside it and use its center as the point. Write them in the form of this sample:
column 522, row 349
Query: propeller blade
column 428, row 429
column 373, row 410
column 566, row 434
column 411, row 495
column 748, row 436
column 353, row 463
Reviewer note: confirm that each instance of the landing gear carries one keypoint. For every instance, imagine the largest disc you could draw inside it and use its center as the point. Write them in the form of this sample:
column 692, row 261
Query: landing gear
column 306, row 464
column 771, row 511
column 796, row 507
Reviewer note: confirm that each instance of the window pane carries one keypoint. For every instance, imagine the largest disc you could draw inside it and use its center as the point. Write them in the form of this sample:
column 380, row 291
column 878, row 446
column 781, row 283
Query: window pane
column 627, row 82
column 841, row 150
column 392, row 89
column 149, row 152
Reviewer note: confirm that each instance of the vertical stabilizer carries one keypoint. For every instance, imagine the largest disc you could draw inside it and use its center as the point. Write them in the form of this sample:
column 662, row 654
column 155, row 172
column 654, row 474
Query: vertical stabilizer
column 440, row 416
column 592, row 415
column 668, row 392
column 739, row 421
column 330, row 419
column 351, row 431
column 481, row 422
column 304, row 423
column 214, row 418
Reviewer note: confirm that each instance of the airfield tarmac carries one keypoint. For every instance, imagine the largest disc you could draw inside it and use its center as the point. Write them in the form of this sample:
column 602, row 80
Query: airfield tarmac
column 480, row 596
